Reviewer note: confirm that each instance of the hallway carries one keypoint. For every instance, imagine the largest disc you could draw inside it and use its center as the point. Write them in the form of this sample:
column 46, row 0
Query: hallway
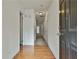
column 40, row 41
column 39, row 51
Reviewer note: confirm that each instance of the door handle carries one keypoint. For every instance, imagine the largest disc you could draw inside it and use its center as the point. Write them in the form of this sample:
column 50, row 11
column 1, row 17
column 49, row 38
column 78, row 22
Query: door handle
column 59, row 34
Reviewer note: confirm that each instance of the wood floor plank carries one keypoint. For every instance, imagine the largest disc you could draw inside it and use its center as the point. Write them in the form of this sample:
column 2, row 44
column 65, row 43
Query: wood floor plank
column 34, row 52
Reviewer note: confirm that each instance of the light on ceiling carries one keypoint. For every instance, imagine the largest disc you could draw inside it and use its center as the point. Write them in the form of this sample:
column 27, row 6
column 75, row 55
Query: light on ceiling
column 40, row 13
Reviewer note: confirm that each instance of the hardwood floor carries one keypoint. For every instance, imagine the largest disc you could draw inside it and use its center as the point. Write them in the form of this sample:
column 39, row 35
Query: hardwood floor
column 43, row 52
column 35, row 52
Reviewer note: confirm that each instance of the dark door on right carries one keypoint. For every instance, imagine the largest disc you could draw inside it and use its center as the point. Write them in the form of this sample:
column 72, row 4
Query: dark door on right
column 68, row 29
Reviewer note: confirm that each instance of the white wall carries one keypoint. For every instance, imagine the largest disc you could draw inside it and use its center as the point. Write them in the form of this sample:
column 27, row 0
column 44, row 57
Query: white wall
column 46, row 28
column 42, row 29
column 10, row 26
column 28, row 27
column 53, row 25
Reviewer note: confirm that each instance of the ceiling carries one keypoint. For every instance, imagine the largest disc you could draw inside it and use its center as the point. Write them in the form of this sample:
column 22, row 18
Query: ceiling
column 37, row 5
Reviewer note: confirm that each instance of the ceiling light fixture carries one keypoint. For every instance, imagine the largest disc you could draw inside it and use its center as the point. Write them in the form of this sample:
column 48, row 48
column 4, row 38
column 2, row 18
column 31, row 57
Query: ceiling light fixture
column 40, row 13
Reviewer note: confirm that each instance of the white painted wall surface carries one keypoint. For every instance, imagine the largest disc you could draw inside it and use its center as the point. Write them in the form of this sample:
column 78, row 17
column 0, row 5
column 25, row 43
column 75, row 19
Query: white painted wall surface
column 28, row 27
column 53, row 25
column 46, row 28
column 42, row 29
column 10, row 26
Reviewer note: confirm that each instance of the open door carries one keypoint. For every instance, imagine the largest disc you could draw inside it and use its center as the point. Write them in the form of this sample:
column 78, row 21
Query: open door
column 21, row 30
column 68, row 26
column 62, row 29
